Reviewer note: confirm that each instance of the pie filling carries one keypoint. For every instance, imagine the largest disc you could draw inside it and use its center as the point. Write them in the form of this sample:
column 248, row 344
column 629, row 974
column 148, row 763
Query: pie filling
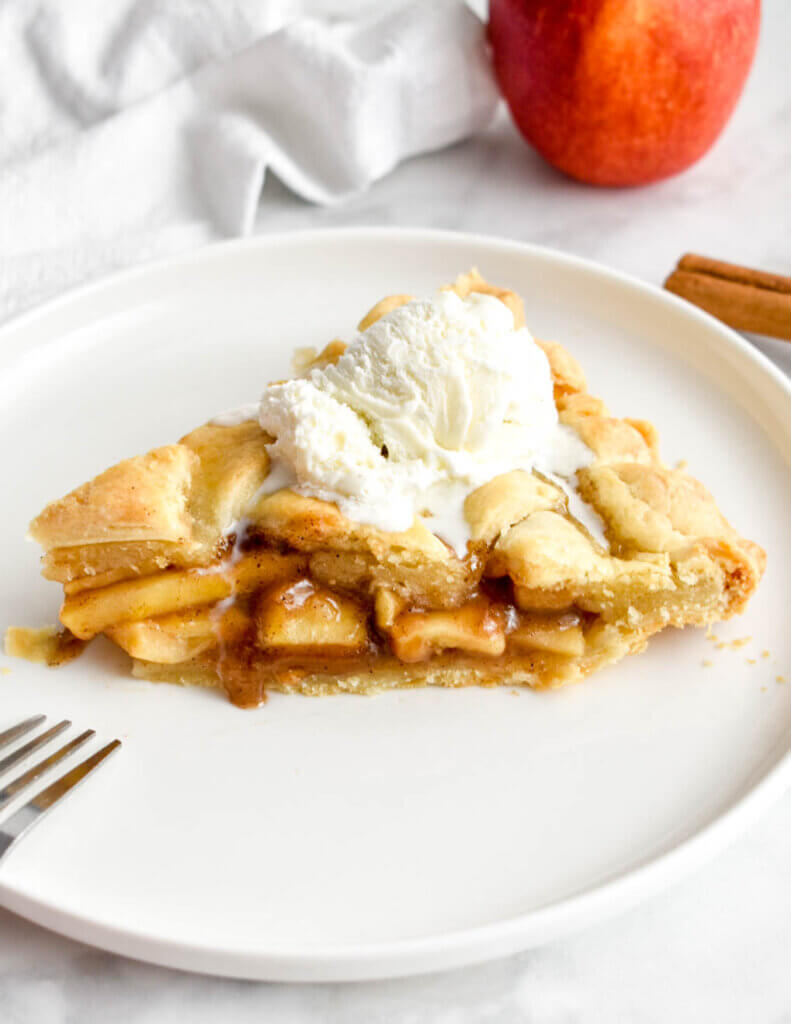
column 260, row 619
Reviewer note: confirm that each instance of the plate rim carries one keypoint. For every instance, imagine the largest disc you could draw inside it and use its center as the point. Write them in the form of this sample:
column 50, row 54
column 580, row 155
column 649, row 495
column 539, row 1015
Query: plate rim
column 465, row 946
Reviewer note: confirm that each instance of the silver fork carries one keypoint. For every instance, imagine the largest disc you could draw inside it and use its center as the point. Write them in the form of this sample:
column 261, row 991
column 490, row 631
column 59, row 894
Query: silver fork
column 23, row 819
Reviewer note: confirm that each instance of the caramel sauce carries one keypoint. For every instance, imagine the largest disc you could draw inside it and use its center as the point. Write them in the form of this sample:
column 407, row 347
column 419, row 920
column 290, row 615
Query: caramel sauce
column 246, row 671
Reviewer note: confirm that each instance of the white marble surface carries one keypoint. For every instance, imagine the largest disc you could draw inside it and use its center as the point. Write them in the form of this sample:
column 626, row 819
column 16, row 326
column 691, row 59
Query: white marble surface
column 714, row 948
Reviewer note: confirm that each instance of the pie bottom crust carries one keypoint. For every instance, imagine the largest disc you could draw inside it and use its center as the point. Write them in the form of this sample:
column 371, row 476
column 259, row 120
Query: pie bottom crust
column 386, row 673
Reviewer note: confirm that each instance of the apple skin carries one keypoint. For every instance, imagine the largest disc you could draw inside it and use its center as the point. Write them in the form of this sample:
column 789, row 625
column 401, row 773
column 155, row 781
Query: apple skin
column 622, row 92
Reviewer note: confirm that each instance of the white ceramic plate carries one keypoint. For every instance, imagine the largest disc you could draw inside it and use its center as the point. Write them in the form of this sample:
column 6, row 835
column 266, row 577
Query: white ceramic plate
column 349, row 837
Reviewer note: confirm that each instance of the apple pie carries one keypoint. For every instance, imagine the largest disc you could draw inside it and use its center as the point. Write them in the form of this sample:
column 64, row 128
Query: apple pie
column 205, row 575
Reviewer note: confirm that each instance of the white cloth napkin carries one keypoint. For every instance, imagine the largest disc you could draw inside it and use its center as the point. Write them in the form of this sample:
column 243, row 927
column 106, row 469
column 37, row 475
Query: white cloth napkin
column 132, row 128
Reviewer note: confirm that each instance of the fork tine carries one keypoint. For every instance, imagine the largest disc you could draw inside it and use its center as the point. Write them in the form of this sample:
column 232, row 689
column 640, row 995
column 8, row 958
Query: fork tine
column 32, row 812
column 32, row 774
column 19, row 730
column 50, row 796
column 28, row 748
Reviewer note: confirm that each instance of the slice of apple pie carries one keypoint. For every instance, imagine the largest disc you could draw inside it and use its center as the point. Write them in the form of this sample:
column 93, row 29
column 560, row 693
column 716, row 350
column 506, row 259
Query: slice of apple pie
column 439, row 502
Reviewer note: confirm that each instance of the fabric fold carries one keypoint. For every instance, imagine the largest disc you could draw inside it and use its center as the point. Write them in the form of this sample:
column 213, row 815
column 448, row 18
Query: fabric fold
column 123, row 174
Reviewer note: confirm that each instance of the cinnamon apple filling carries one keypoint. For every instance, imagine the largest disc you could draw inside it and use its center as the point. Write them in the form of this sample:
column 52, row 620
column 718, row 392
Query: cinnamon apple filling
column 259, row 619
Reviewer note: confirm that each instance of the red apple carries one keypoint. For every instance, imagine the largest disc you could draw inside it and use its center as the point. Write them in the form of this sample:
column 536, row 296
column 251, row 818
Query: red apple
column 622, row 92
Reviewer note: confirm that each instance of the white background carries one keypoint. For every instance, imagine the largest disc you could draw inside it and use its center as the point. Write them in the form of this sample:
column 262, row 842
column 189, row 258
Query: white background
column 714, row 948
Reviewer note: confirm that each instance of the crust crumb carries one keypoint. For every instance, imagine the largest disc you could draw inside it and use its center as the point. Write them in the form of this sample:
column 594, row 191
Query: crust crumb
column 50, row 645
column 732, row 645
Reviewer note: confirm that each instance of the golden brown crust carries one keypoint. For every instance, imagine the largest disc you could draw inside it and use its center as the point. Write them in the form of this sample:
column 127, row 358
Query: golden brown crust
column 507, row 499
column 567, row 375
column 414, row 562
column 382, row 308
column 610, row 439
column 466, row 284
column 168, row 507
column 84, row 566
column 142, row 498
column 309, row 524
column 651, row 508
column 232, row 465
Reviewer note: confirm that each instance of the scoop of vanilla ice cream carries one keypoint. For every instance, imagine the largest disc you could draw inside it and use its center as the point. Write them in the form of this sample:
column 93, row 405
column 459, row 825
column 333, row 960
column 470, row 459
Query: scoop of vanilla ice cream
column 448, row 381
column 432, row 400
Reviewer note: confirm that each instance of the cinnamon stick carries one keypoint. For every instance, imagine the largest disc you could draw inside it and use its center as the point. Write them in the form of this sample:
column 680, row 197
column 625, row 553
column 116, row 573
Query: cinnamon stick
column 747, row 299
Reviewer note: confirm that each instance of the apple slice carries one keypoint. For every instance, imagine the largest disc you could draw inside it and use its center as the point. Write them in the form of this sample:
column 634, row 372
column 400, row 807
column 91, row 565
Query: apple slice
column 301, row 618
